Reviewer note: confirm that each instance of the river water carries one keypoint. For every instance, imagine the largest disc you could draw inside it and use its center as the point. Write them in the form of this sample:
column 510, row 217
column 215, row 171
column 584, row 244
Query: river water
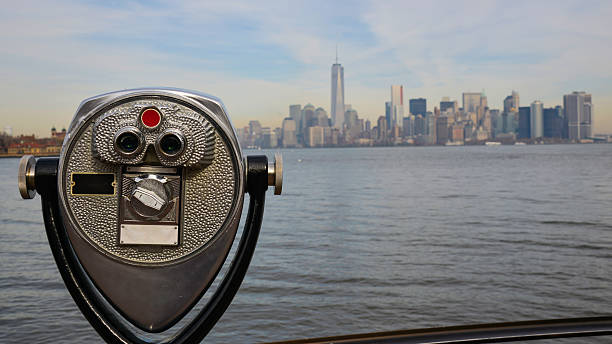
column 374, row 239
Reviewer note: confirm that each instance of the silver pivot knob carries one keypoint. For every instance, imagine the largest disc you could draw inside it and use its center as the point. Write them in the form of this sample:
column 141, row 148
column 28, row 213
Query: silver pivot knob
column 150, row 196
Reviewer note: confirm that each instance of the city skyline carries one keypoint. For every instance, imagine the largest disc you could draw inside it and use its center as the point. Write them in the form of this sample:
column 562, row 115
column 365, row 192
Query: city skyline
column 259, row 58
column 474, row 123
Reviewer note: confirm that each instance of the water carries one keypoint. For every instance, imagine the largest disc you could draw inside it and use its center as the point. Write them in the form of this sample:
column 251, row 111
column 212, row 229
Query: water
column 374, row 239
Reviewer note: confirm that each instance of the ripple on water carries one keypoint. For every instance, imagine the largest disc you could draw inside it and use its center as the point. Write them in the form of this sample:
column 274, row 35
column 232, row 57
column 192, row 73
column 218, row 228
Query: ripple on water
column 378, row 239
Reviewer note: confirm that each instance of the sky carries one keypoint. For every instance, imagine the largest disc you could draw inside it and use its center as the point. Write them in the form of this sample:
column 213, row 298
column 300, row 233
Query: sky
column 260, row 57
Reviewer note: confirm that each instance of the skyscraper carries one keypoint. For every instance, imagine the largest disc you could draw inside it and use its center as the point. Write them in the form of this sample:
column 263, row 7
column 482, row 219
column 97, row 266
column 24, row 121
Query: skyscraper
column 397, row 105
column 382, row 132
column 289, row 138
column 511, row 103
column 497, row 124
column 587, row 118
column 388, row 114
column 537, row 119
column 447, row 105
column 442, row 130
column 578, row 113
column 295, row 112
column 553, row 122
column 471, row 102
column 482, row 107
column 420, row 125
column 524, row 122
column 430, row 123
column 337, row 94
column 509, row 122
column 321, row 118
column 308, row 119
column 418, row 106
column 254, row 134
column 408, row 126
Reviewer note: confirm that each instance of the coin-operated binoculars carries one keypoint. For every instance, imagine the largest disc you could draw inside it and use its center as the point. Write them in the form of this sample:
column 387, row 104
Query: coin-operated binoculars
column 142, row 207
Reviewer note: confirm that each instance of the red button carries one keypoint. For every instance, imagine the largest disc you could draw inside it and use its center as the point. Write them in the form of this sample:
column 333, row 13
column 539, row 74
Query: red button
column 150, row 118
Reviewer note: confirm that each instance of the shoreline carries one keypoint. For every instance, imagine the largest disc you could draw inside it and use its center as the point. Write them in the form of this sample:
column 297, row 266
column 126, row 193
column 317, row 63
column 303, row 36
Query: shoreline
column 19, row 155
column 42, row 155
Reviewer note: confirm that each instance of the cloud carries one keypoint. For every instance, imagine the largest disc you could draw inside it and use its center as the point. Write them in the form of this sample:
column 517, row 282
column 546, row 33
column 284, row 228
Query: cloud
column 261, row 57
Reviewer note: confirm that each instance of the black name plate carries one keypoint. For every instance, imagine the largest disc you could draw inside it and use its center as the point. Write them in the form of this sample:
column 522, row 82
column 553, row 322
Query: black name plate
column 92, row 184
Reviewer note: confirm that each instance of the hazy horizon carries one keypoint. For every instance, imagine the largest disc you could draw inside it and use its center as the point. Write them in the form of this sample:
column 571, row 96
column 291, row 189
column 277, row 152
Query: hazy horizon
column 260, row 58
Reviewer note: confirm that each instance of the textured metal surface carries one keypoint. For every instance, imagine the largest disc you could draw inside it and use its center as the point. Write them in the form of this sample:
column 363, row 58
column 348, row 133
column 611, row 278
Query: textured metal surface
column 209, row 194
column 197, row 131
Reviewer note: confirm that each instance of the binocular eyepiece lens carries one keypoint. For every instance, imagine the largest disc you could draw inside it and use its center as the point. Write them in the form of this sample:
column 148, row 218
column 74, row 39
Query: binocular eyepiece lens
column 171, row 144
column 128, row 142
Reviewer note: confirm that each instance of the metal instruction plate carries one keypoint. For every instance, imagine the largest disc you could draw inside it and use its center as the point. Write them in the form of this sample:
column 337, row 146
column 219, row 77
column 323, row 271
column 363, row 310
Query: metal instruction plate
column 132, row 234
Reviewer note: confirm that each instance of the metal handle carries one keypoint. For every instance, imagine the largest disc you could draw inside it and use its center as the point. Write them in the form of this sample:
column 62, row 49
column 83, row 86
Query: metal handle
column 275, row 174
column 25, row 177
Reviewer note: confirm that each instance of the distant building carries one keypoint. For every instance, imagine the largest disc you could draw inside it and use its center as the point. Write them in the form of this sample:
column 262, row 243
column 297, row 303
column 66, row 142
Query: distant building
column 295, row 112
column 255, row 127
column 482, row 107
column 537, row 119
column 382, row 131
column 268, row 138
column 524, row 122
column 397, row 105
column 316, row 136
column 471, row 102
column 512, row 102
column 352, row 125
column 321, row 118
column 332, row 136
column 337, row 94
column 486, row 123
column 388, row 114
column 418, row 106
column 420, row 127
column 448, row 105
column 481, row 134
column 350, row 118
column 468, row 130
column 408, row 126
column 578, row 113
column 457, row 132
column 430, row 123
column 288, row 132
column 308, row 119
column 254, row 134
column 554, row 122
column 58, row 136
column 442, row 130
column 509, row 122
column 496, row 122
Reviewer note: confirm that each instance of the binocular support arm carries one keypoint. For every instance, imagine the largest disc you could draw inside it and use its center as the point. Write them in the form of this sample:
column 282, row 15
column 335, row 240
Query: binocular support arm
column 106, row 322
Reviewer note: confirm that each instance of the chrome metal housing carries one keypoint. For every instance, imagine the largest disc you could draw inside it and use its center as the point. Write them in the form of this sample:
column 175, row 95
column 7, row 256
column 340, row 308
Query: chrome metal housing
column 142, row 296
